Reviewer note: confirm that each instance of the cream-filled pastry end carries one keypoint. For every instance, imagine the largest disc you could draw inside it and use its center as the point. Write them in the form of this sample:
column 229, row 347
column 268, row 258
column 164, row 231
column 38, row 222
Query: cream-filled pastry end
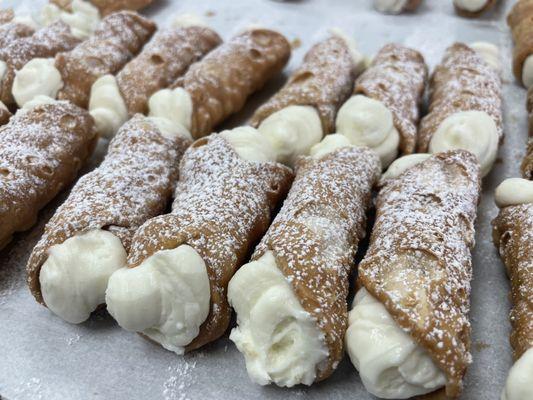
column 37, row 77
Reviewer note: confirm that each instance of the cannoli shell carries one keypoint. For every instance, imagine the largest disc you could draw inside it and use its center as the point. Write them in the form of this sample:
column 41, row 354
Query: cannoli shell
column 462, row 82
column 323, row 81
column 529, row 107
column 419, row 263
column 118, row 38
column 527, row 162
column 41, row 152
column 6, row 15
column 165, row 58
column 520, row 20
column 11, row 31
column 221, row 82
column 5, row 115
column 223, row 205
column 513, row 236
column 45, row 43
column 133, row 184
column 475, row 14
column 397, row 78
column 334, row 192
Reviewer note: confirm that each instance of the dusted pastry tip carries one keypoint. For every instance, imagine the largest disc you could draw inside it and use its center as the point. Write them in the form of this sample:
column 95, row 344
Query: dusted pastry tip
column 409, row 332
column 519, row 20
column 89, row 236
column 473, row 8
column 290, row 299
column 396, row 6
column 55, row 140
column 513, row 236
column 105, row 7
column 303, row 111
column 118, row 38
column 383, row 112
column 44, row 43
column 465, row 110
column 164, row 59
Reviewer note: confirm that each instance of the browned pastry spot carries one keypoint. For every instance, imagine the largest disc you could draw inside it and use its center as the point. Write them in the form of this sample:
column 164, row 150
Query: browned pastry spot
column 333, row 192
column 223, row 205
column 463, row 81
column 520, row 20
column 41, row 152
column 513, row 236
column 475, row 14
column 323, row 81
column 418, row 264
column 45, row 43
column 118, row 38
column 397, row 78
column 133, row 184
column 221, row 82
column 164, row 59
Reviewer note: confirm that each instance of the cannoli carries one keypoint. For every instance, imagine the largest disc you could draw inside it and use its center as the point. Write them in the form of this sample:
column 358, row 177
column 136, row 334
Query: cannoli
column 513, row 236
column 527, row 163
column 82, row 17
column 304, row 110
column 396, row 6
column 520, row 21
column 165, row 58
column 290, row 299
column 219, row 84
column 409, row 332
column 119, row 37
column 383, row 112
column 465, row 110
column 90, row 234
column 46, row 42
column 473, row 8
column 106, row 7
column 174, row 287
column 41, row 152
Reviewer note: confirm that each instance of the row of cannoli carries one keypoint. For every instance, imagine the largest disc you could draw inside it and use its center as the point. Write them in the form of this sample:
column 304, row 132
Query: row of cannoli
column 291, row 299
column 464, row 8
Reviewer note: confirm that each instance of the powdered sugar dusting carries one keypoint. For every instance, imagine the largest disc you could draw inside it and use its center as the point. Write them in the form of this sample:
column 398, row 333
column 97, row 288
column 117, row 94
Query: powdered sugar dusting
column 419, row 263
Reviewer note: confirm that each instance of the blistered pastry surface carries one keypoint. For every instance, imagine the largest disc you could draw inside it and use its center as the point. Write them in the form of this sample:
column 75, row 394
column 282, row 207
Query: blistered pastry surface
column 134, row 183
column 315, row 236
column 419, row 263
column 41, row 152
column 463, row 81
column 513, row 236
column 520, row 20
column 11, row 31
column 397, row 77
column 222, row 81
column 44, row 43
column 118, row 38
column 323, row 81
column 223, row 205
column 164, row 59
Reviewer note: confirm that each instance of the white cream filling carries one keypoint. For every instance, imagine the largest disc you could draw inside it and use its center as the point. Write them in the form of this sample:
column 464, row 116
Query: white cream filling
column 527, row 72
column 368, row 122
column 172, row 104
column 83, row 19
column 470, row 5
column 329, row 144
column 292, row 131
column 474, row 131
column 3, row 69
column 250, row 144
column 391, row 364
column 513, row 192
column 169, row 129
column 519, row 385
column 166, row 298
column 490, row 53
column 278, row 338
column 390, row 6
column 74, row 277
column 37, row 77
column 107, row 106
column 185, row 20
column 26, row 20
column 402, row 164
